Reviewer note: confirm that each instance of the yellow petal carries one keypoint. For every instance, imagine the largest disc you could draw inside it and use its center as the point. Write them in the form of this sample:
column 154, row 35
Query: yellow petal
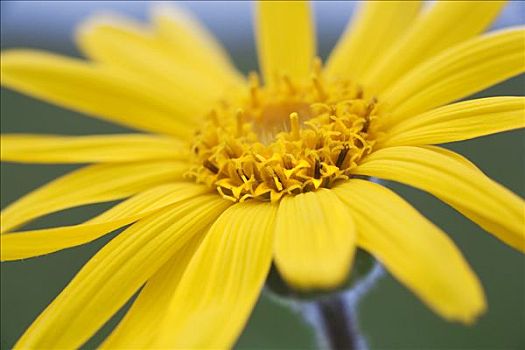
column 314, row 240
column 468, row 190
column 141, row 323
column 126, row 45
column 26, row 244
column 97, row 91
column 375, row 28
column 25, row 148
column 459, row 121
column 451, row 154
column 192, row 44
column 222, row 282
column 415, row 251
column 285, row 39
column 91, row 184
column 446, row 24
column 116, row 272
column 458, row 72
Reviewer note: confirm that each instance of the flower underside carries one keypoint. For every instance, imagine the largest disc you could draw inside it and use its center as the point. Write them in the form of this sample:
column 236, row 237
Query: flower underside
column 284, row 139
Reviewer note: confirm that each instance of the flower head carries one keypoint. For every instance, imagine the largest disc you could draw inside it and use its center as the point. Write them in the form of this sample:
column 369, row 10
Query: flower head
column 231, row 174
column 285, row 139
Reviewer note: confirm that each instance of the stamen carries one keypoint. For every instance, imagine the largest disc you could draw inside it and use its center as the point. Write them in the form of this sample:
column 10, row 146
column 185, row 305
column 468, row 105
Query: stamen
column 366, row 125
column 278, row 183
column 240, row 121
column 289, row 85
column 317, row 169
column 260, row 158
column 319, row 87
column 253, row 79
column 241, row 174
column 359, row 93
column 224, row 195
column 210, row 166
column 369, row 108
column 214, row 116
column 294, row 125
column 371, row 105
column 341, row 157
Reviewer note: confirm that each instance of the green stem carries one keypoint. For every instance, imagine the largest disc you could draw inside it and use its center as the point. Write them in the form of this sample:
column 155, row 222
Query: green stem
column 336, row 326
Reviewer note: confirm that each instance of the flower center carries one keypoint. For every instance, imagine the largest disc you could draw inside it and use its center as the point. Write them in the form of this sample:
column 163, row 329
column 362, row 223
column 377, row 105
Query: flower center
column 284, row 139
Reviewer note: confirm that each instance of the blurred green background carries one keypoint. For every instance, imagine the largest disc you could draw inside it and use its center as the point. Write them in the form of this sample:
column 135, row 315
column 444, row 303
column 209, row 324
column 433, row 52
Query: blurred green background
column 389, row 316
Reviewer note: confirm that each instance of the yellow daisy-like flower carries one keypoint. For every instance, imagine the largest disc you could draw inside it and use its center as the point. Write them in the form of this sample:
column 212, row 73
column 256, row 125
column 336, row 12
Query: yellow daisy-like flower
column 235, row 173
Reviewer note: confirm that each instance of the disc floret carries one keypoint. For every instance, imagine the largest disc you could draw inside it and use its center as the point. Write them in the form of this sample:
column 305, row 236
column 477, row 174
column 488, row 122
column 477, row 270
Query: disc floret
column 284, row 139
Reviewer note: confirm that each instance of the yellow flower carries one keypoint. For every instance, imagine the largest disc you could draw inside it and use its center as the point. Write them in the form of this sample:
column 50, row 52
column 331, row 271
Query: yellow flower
column 234, row 174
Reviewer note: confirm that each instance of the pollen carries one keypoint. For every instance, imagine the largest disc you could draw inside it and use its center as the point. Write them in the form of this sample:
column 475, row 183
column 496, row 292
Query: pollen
column 284, row 139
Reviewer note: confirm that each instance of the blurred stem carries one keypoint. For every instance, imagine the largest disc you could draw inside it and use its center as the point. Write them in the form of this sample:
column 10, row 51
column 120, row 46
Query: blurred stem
column 331, row 314
column 335, row 323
